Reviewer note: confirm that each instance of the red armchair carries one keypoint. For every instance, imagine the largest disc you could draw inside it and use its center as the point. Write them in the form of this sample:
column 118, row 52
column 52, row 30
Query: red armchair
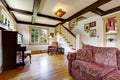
column 53, row 48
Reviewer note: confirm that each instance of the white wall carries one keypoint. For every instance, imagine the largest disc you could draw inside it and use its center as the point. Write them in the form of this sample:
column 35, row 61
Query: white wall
column 86, row 39
column 24, row 30
column 0, row 51
column 79, row 42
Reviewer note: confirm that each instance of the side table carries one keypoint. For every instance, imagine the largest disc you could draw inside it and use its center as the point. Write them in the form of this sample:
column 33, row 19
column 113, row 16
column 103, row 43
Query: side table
column 60, row 50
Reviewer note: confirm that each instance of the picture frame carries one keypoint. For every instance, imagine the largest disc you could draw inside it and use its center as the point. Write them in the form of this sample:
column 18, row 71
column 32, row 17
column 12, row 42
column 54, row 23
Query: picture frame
column 86, row 27
column 73, row 23
column 93, row 24
column 92, row 33
column 52, row 35
column 111, row 24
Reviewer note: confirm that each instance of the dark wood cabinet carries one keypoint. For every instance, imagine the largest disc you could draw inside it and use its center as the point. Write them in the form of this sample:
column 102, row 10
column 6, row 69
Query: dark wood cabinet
column 9, row 43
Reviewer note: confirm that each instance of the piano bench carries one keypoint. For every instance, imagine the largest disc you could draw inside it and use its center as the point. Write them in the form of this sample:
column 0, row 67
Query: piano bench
column 28, row 53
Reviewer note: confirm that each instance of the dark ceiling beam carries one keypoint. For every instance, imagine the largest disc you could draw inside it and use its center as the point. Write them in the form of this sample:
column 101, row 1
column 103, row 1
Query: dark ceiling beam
column 112, row 10
column 35, row 10
column 98, row 11
column 4, row 3
column 89, row 8
column 10, row 10
column 39, row 15
column 20, row 11
column 51, row 17
column 7, row 7
column 38, row 24
column 13, row 16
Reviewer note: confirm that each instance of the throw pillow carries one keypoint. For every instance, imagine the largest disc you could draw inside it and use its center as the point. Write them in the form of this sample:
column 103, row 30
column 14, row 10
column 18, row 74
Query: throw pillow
column 85, row 55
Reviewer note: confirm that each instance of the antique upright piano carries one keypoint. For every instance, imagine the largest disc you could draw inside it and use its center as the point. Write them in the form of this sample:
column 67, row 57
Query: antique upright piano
column 10, row 47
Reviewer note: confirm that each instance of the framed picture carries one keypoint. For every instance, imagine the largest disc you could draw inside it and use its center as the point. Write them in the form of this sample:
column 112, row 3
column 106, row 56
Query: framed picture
column 86, row 27
column 73, row 23
column 111, row 24
column 93, row 24
column 92, row 33
column 52, row 35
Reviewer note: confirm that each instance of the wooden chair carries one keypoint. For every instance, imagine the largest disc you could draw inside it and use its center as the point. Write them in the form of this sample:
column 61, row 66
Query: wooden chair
column 53, row 48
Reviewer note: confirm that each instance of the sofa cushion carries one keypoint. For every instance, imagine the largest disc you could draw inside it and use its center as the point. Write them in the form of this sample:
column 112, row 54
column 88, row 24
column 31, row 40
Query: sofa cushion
column 106, row 56
column 85, row 55
column 92, row 69
column 79, row 64
column 97, row 70
column 114, row 75
column 94, row 48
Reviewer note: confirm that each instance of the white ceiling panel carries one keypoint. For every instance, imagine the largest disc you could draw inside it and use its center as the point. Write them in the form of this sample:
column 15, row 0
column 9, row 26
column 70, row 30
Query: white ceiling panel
column 71, row 7
column 22, row 17
column 89, row 14
column 110, row 5
column 44, row 20
column 21, row 4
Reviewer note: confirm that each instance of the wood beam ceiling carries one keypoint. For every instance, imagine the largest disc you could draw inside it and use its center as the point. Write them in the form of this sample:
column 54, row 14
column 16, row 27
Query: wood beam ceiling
column 35, row 10
column 112, row 10
column 39, row 15
column 29, row 13
column 98, row 11
column 7, row 7
column 5, row 4
column 89, row 8
column 38, row 24
column 93, row 7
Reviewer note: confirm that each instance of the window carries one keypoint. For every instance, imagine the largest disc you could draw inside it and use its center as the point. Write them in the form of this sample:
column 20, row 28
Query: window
column 38, row 35
column 5, row 20
column 8, row 23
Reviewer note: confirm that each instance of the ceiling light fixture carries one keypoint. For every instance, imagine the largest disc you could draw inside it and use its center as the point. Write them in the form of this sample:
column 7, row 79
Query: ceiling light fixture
column 60, row 13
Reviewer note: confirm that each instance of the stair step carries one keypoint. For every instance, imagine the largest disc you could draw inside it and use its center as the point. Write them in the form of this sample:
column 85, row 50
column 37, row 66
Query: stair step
column 61, row 34
column 73, row 48
column 70, row 45
column 66, row 39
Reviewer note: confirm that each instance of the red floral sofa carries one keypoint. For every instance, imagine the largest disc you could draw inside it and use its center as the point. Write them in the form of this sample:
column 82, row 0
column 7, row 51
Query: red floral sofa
column 94, row 63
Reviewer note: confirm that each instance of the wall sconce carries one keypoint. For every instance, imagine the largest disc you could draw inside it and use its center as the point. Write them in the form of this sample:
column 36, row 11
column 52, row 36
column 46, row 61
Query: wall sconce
column 60, row 13
column 50, row 36
column 110, row 39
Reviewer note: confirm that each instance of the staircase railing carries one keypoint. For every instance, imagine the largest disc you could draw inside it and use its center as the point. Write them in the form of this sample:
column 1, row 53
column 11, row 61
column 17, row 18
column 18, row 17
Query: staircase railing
column 67, row 35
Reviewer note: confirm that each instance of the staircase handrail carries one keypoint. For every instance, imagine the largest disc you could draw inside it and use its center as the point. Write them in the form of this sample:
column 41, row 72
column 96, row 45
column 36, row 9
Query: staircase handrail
column 70, row 31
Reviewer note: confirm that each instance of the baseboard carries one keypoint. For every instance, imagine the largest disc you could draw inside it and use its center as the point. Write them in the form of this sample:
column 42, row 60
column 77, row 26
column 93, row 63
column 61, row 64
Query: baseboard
column 36, row 52
column 1, row 69
column 39, row 51
column 43, row 51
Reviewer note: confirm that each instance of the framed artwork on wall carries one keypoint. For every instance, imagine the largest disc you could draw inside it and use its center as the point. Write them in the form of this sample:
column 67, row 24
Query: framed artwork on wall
column 111, row 24
column 73, row 23
column 93, row 24
column 92, row 33
column 86, row 27
column 52, row 35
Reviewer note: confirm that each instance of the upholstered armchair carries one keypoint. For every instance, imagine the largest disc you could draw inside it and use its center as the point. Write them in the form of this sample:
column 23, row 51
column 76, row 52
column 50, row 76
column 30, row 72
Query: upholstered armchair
column 53, row 48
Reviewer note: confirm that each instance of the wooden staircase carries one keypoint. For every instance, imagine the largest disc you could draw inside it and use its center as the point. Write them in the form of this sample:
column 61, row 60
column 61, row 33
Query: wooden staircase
column 68, row 36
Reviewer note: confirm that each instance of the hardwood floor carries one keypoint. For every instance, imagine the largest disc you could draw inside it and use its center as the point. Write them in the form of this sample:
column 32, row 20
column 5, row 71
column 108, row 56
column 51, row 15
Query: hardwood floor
column 43, row 67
